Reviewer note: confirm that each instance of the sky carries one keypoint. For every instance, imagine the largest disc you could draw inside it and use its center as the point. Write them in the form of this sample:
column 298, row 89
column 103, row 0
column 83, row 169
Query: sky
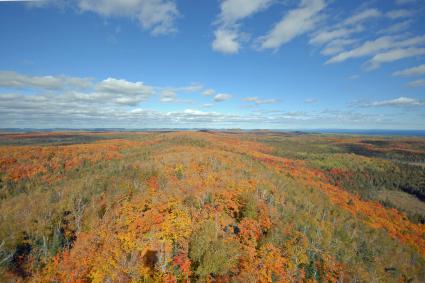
column 251, row 64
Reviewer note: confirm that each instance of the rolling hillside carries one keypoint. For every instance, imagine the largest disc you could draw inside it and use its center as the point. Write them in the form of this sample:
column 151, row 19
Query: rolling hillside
column 211, row 206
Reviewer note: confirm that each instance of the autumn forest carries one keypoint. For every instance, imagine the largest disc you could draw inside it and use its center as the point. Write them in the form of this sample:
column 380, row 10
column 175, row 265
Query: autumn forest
column 211, row 206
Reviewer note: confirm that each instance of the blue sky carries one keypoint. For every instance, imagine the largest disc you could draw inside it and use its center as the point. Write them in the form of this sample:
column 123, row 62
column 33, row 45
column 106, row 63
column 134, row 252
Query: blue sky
column 217, row 64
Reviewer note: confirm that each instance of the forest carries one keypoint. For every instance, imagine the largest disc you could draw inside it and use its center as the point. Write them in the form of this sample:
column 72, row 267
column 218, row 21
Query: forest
column 211, row 206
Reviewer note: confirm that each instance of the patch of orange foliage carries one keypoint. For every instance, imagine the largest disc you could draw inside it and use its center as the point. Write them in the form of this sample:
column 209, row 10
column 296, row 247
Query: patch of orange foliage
column 372, row 213
column 51, row 162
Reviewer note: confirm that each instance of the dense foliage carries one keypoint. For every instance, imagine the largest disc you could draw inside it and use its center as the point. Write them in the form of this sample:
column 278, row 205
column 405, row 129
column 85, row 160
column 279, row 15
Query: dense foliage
column 211, row 206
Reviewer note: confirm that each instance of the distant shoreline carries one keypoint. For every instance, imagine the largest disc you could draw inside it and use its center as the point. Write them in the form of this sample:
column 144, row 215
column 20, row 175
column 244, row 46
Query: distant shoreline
column 368, row 132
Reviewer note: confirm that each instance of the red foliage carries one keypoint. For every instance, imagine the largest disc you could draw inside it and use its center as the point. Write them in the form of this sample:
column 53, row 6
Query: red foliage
column 183, row 262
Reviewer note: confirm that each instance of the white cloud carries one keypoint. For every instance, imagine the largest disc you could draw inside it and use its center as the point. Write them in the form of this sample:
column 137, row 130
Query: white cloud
column 195, row 112
column 417, row 83
column 258, row 101
column 15, row 80
column 222, row 97
column 190, row 88
column 394, row 55
column 17, row 110
column 397, row 14
column 119, row 86
column 367, row 48
column 226, row 41
column 111, row 91
column 208, row 92
column 105, row 98
column 397, row 102
column 363, row 16
column 414, row 71
column 329, row 35
column 22, row 110
column 167, row 91
column 336, row 46
column 375, row 46
column 296, row 22
column 396, row 28
column 338, row 36
column 168, row 96
column 92, row 109
column 235, row 10
column 227, row 37
column 158, row 16
column 394, row 43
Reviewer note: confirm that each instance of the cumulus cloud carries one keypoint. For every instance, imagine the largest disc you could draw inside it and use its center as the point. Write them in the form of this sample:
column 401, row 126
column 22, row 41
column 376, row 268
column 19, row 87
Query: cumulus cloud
column 103, row 105
column 15, row 80
column 60, row 102
column 414, row 71
column 222, row 97
column 397, row 102
column 116, row 103
column 66, row 111
column 110, row 91
column 111, row 85
column 105, row 98
column 296, row 22
column 49, row 111
column 226, row 41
